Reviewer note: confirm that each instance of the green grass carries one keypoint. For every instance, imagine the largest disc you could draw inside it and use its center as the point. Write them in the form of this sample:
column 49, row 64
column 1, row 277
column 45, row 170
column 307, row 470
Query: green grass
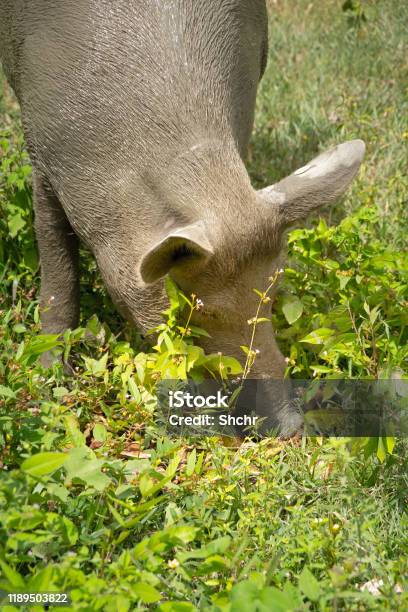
column 126, row 518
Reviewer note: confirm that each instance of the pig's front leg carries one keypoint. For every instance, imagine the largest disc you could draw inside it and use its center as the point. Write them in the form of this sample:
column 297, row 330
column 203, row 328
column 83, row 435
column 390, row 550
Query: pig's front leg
column 58, row 246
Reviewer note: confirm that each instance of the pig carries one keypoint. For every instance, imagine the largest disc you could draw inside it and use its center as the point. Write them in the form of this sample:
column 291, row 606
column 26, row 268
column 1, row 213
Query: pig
column 137, row 116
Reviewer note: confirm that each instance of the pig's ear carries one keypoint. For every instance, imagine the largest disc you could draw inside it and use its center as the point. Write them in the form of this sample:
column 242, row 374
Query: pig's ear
column 184, row 246
column 320, row 182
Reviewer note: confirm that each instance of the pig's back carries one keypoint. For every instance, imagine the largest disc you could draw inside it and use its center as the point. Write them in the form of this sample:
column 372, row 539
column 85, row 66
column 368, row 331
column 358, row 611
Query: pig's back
column 140, row 78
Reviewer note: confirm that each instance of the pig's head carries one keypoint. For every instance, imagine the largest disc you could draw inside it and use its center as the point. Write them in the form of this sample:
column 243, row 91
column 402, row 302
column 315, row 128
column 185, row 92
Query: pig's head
column 227, row 252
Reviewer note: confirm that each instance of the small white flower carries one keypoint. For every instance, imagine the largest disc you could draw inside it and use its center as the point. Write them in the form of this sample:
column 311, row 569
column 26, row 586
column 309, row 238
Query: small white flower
column 173, row 564
column 287, row 359
column 372, row 586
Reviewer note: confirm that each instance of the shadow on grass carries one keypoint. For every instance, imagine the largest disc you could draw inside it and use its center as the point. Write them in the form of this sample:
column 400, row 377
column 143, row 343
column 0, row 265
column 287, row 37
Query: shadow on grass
column 274, row 154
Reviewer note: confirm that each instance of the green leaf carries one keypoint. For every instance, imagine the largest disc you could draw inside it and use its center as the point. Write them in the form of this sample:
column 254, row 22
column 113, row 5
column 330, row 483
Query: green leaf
column 44, row 463
column 146, row 592
column 15, row 223
column 183, row 534
column 60, row 392
column 31, row 258
column 116, row 515
column 213, row 563
column 134, row 390
column 38, row 345
column 381, row 450
column 216, row 547
column 243, row 596
column 343, row 280
column 7, row 392
column 173, row 465
column 73, row 433
column 320, row 369
column 280, row 601
column 191, row 462
column 99, row 432
column 389, row 443
column 318, row 336
column 58, row 491
column 198, row 331
column 97, row 367
column 309, row 585
column 19, row 328
column 292, row 308
column 94, row 325
column 172, row 293
column 41, row 581
column 177, row 606
column 82, row 465
column 13, row 577
column 70, row 531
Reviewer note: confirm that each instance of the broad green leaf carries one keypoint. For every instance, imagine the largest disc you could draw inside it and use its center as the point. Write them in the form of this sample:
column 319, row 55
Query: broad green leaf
column 318, row 336
column 15, row 223
column 218, row 546
column 198, row 331
column 41, row 581
column 343, row 280
column 70, row 531
column 134, row 390
column 13, row 577
column 94, row 325
column 243, row 596
column 41, row 344
column 73, row 433
column 19, row 328
column 99, row 432
column 292, row 308
column 82, row 465
column 147, row 484
column 183, row 534
column 309, row 585
column 272, row 598
column 146, row 592
column 213, row 563
column 177, row 606
column 58, row 491
column 60, row 392
column 7, row 392
column 172, row 293
column 320, row 369
column 97, row 367
column 44, row 463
